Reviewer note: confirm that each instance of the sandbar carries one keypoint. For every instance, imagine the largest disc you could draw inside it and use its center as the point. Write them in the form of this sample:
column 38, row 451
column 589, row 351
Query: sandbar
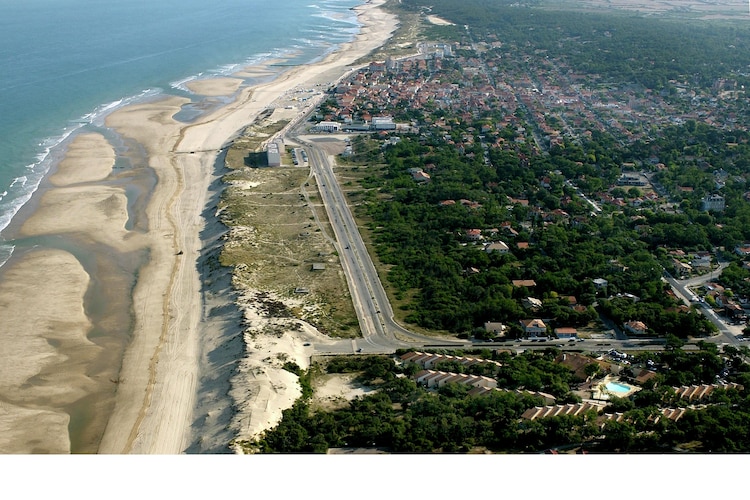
column 89, row 158
column 215, row 86
column 46, row 352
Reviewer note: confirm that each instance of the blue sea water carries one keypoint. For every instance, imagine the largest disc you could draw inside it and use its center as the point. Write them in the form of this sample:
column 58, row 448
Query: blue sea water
column 64, row 64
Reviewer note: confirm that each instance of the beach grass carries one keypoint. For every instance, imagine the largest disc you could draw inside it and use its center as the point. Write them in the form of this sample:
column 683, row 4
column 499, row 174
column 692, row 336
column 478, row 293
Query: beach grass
column 274, row 240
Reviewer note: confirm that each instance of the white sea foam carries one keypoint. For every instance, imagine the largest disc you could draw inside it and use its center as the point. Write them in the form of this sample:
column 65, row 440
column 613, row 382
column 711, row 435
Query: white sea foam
column 6, row 251
column 97, row 116
column 51, row 150
column 19, row 180
column 337, row 17
column 231, row 68
column 182, row 84
column 332, row 11
column 30, row 182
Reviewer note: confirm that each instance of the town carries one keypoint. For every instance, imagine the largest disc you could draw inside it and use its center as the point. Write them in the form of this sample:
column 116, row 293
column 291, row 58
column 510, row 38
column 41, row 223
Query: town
column 587, row 235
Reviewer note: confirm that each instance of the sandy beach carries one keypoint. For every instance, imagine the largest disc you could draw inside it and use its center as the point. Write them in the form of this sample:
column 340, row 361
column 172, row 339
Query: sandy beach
column 137, row 390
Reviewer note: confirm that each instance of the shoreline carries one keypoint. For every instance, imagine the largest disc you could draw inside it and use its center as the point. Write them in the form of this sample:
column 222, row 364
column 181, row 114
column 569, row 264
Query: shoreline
column 154, row 406
column 100, row 226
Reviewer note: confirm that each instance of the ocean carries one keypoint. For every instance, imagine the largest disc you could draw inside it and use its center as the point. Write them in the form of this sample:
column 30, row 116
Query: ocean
column 66, row 64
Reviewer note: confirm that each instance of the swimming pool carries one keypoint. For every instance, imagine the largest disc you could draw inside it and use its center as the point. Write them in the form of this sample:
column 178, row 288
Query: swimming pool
column 615, row 387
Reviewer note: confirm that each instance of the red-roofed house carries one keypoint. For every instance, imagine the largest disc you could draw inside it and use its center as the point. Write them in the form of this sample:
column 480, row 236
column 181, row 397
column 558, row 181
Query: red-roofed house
column 636, row 327
column 566, row 333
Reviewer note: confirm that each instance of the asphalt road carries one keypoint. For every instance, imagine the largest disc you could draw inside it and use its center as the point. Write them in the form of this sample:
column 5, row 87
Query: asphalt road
column 727, row 333
column 380, row 331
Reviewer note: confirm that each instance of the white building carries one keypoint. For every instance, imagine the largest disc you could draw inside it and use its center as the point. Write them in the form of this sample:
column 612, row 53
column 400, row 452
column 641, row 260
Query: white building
column 274, row 153
column 497, row 246
column 383, row 123
column 327, row 127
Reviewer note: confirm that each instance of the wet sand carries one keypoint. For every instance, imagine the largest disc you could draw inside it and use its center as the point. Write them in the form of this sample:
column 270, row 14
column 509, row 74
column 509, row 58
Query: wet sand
column 61, row 304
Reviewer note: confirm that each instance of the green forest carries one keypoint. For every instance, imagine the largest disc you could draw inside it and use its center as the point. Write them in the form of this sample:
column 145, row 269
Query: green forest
column 403, row 417
column 424, row 242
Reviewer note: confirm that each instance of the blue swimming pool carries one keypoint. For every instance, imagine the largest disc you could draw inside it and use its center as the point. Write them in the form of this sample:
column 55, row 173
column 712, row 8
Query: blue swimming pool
column 615, row 387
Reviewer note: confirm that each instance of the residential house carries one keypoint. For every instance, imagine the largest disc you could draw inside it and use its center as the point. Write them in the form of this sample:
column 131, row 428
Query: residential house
column 642, row 376
column 566, row 333
column 549, row 399
column 713, row 202
column 495, row 328
column 421, row 176
column 636, row 327
column 734, row 311
column 629, row 296
column 632, row 180
column 701, row 260
column 531, row 303
column 534, row 327
column 429, row 360
column 431, row 378
column 558, row 410
column 577, row 363
column 600, row 283
column 698, row 392
column 510, row 231
column 497, row 246
column 681, row 269
column 474, row 234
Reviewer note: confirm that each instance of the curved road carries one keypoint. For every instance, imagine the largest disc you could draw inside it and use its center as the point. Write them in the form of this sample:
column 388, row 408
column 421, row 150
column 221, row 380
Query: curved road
column 727, row 333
